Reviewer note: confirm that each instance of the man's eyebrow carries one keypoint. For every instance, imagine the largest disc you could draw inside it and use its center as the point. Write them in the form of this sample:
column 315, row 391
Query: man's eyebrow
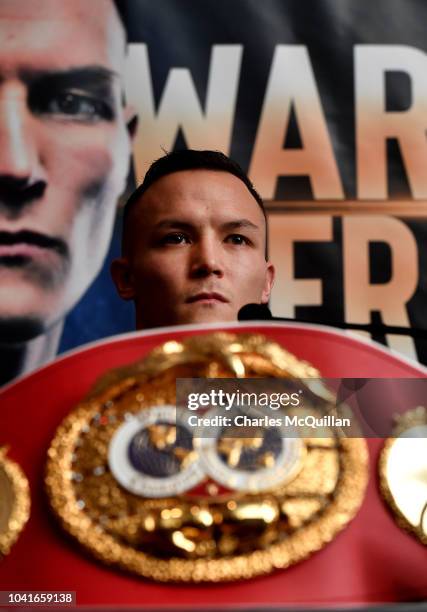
column 227, row 226
column 169, row 223
column 239, row 224
column 81, row 75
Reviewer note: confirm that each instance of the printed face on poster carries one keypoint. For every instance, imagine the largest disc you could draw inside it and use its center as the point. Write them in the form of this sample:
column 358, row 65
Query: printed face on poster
column 64, row 160
column 324, row 108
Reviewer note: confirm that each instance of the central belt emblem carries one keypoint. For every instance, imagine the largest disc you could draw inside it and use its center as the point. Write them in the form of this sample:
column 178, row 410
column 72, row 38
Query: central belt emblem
column 134, row 483
column 155, row 454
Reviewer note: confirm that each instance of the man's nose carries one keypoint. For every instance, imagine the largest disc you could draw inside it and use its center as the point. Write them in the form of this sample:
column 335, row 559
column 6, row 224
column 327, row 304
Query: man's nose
column 207, row 258
column 21, row 173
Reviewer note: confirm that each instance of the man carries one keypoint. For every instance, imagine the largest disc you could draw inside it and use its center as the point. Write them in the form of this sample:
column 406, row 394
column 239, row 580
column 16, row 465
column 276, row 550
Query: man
column 65, row 142
column 194, row 242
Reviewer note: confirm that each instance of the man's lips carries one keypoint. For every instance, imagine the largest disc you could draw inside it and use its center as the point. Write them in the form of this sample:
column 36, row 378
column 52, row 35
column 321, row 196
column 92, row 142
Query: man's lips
column 207, row 296
column 27, row 243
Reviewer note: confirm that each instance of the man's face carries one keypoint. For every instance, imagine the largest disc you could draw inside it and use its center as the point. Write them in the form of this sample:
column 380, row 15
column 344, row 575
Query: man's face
column 195, row 250
column 64, row 151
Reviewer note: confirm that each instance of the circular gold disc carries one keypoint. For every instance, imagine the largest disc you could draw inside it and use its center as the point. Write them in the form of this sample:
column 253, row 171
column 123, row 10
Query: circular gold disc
column 403, row 472
column 14, row 502
column 211, row 532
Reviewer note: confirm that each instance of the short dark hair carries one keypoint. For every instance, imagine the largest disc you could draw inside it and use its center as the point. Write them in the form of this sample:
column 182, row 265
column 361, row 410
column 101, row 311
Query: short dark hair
column 191, row 159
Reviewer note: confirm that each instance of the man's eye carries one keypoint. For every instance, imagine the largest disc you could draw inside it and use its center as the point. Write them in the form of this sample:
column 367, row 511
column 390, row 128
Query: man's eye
column 74, row 105
column 237, row 239
column 175, row 238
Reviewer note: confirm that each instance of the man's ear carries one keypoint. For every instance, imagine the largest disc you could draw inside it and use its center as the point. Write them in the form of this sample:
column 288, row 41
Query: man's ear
column 122, row 277
column 131, row 119
column 268, row 285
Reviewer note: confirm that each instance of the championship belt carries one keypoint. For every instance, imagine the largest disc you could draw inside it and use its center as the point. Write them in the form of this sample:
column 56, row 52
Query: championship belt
column 370, row 561
column 14, row 502
column 137, row 487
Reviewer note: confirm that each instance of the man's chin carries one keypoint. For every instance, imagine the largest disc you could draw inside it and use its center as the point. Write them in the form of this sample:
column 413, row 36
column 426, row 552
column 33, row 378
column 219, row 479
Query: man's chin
column 191, row 314
column 209, row 315
column 20, row 329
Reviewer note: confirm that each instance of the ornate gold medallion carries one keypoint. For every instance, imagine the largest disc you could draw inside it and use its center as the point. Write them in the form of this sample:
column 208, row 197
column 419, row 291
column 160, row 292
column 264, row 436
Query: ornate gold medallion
column 14, row 502
column 403, row 472
column 135, row 485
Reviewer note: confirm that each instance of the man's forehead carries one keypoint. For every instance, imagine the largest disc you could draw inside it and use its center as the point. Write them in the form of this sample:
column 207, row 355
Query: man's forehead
column 58, row 32
column 197, row 194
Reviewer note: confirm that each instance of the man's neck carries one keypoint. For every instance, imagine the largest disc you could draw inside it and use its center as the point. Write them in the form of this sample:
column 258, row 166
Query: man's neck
column 19, row 359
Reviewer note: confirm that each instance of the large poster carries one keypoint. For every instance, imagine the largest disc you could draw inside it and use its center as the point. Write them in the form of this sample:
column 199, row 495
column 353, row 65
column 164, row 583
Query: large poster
column 323, row 103
column 325, row 106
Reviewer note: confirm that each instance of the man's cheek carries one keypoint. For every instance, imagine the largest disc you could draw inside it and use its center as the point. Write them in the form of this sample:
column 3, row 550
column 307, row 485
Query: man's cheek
column 150, row 275
column 107, row 154
column 96, row 178
column 84, row 164
column 247, row 269
column 251, row 278
column 165, row 266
